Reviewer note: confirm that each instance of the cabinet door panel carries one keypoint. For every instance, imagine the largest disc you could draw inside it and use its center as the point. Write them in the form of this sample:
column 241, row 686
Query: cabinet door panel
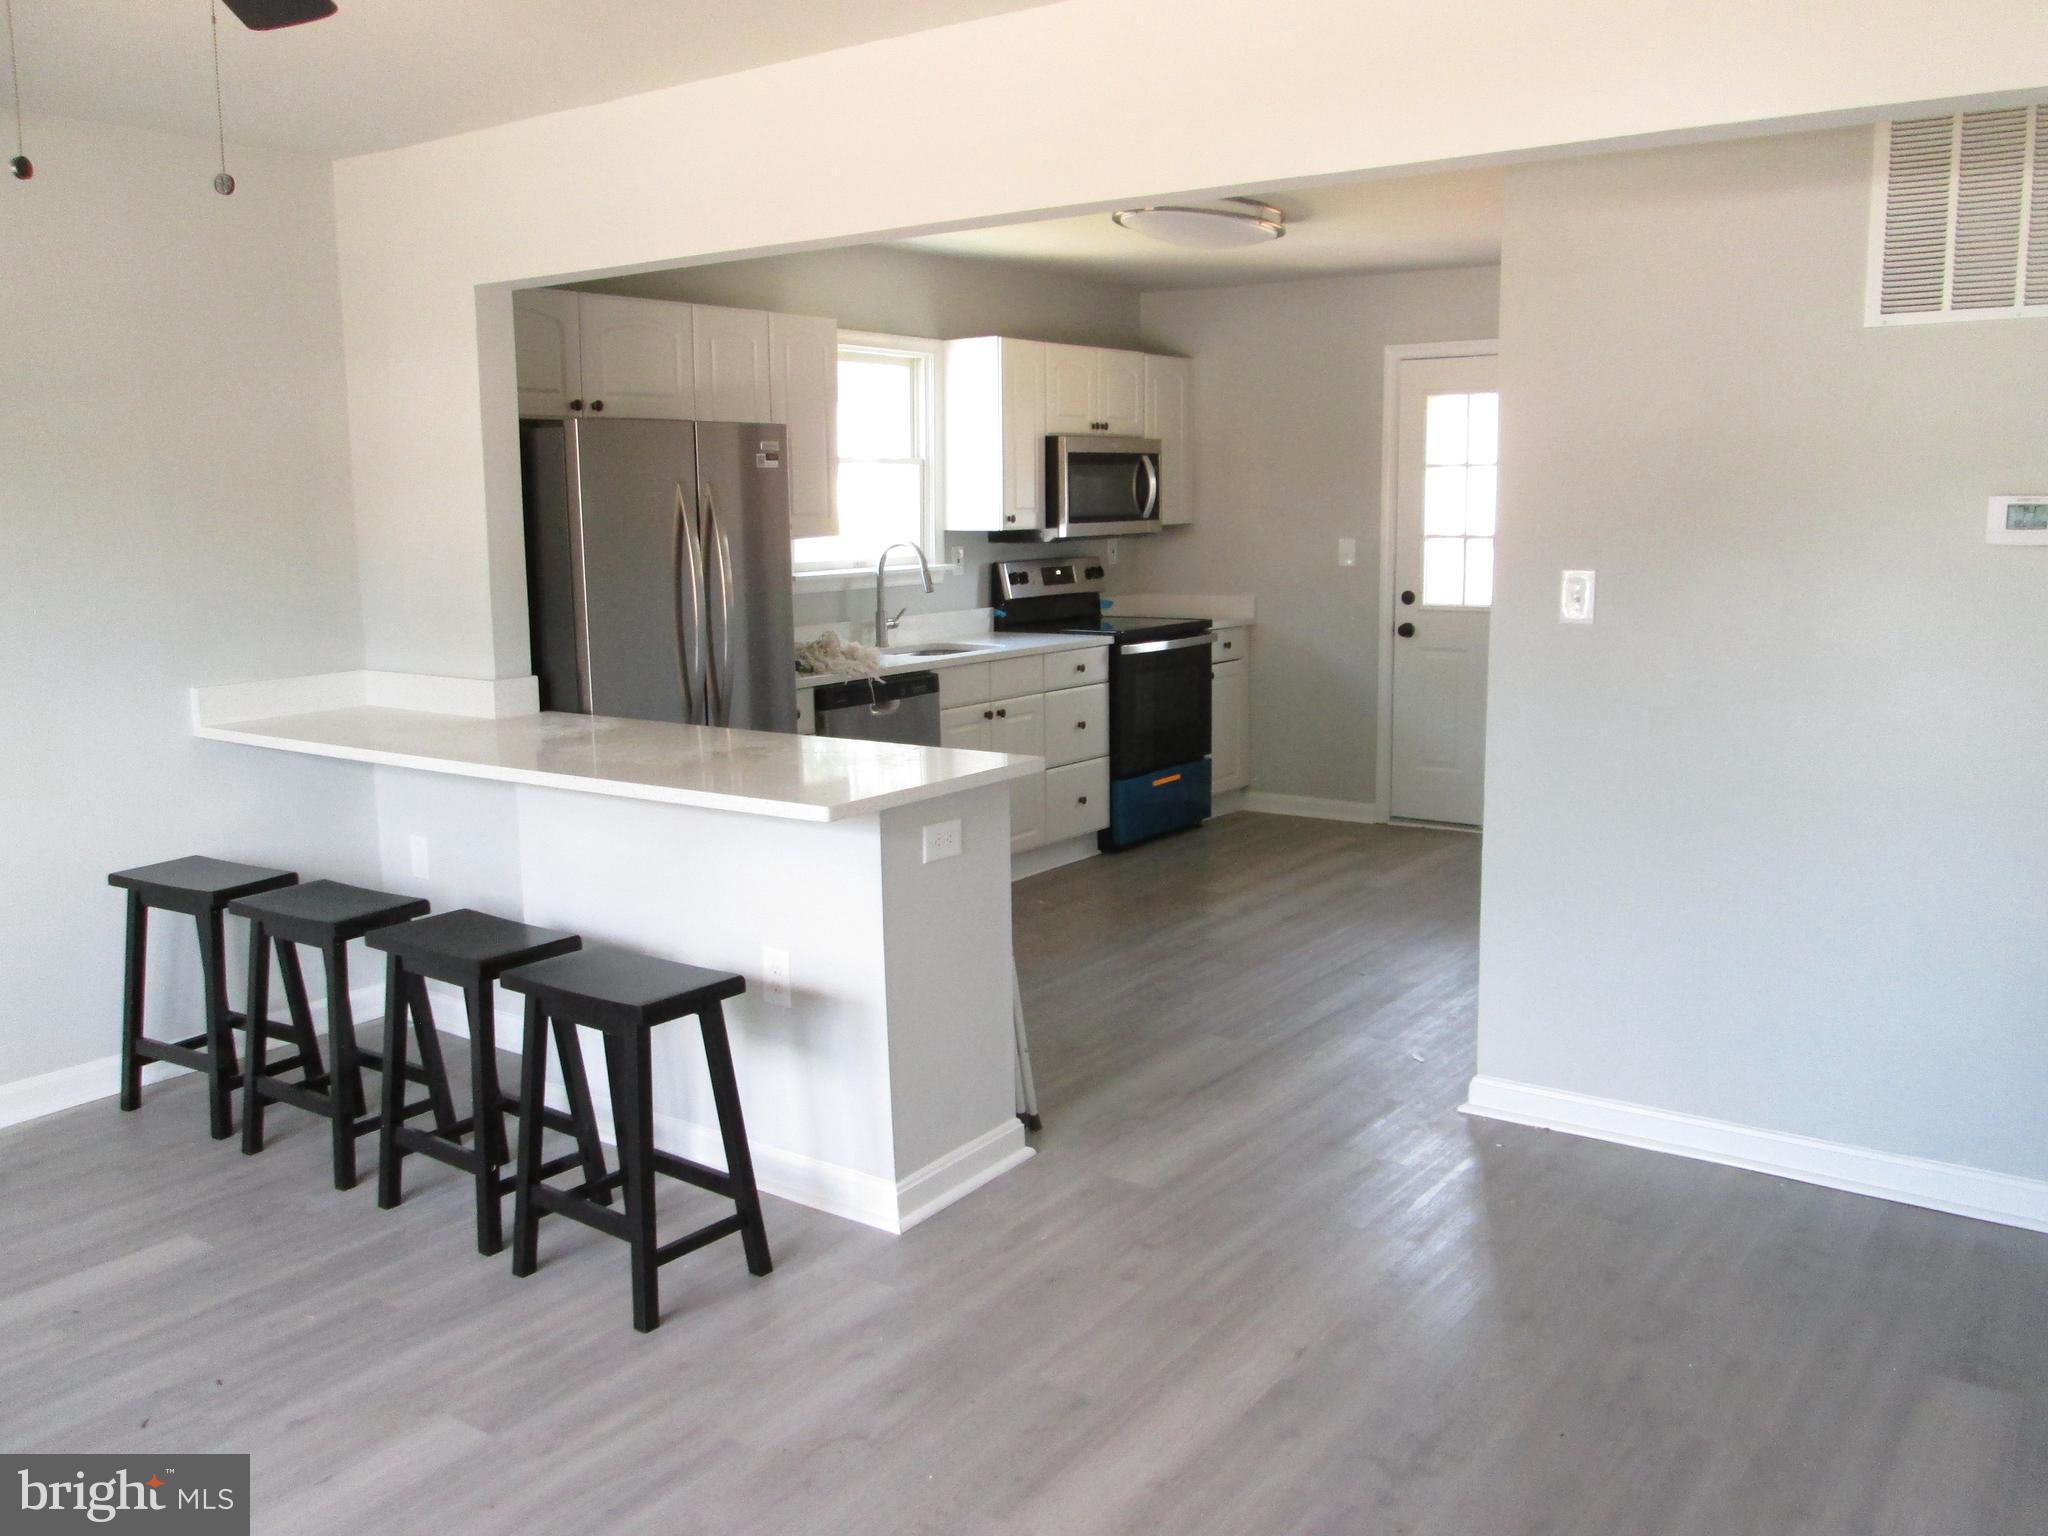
column 965, row 729
column 1076, row 799
column 1024, row 432
column 637, row 358
column 1167, row 419
column 1076, row 724
column 1120, row 391
column 1027, row 812
column 803, row 394
column 729, row 360
column 1070, row 389
column 544, row 344
column 1229, row 726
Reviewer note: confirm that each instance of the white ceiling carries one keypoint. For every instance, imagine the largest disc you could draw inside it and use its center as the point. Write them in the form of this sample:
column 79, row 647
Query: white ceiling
column 388, row 72
column 1388, row 224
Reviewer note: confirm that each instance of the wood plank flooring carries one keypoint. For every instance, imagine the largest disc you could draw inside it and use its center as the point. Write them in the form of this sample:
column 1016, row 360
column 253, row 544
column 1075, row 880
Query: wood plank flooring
column 1261, row 1278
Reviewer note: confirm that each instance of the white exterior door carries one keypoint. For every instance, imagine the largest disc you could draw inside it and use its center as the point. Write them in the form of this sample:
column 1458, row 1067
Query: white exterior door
column 1447, row 435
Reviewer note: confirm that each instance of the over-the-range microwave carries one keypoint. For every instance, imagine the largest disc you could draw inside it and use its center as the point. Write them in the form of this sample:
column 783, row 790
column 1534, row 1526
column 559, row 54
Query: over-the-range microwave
column 1097, row 485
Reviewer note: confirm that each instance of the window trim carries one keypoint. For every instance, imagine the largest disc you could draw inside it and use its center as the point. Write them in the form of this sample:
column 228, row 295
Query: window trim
column 930, row 354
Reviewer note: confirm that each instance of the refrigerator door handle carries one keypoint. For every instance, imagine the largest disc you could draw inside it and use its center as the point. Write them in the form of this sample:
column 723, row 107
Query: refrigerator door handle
column 718, row 657
column 688, row 552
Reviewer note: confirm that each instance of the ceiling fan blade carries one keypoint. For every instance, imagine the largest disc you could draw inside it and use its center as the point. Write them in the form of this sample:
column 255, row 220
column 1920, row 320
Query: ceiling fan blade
column 269, row 15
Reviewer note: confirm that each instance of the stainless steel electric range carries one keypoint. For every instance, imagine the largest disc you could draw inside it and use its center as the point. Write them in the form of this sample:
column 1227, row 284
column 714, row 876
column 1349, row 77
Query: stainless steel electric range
column 1158, row 692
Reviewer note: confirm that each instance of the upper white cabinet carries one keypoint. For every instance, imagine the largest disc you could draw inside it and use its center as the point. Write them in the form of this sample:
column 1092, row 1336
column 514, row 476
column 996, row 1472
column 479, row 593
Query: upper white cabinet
column 638, row 357
column 1094, row 389
column 1167, row 418
column 544, row 340
column 730, row 348
column 994, row 429
column 803, row 394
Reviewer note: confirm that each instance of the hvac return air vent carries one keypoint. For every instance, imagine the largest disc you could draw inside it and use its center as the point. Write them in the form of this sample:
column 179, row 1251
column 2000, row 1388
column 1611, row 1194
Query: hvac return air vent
column 1960, row 222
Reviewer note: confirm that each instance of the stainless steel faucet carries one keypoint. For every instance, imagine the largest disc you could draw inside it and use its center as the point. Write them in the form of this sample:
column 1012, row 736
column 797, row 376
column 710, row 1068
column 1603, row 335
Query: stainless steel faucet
column 883, row 623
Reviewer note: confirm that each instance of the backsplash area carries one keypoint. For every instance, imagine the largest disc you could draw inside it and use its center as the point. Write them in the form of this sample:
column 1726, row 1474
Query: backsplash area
column 852, row 611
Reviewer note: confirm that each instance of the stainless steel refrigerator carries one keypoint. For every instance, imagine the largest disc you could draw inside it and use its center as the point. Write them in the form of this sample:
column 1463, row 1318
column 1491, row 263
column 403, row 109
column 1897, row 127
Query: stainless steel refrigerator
column 658, row 570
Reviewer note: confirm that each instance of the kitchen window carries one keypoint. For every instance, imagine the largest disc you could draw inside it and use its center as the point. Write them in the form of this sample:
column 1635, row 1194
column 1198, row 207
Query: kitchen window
column 887, row 471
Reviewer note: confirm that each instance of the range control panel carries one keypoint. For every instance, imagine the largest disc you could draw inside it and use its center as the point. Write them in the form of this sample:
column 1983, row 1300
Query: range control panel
column 1047, row 578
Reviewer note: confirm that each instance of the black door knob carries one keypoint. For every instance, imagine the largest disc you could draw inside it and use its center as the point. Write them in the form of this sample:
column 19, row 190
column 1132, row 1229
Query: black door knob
column 1407, row 597
column 1405, row 631
column 1083, row 800
column 597, row 405
column 575, row 405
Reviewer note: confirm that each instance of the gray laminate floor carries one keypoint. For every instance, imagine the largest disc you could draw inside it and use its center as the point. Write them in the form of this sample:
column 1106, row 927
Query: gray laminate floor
column 1261, row 1278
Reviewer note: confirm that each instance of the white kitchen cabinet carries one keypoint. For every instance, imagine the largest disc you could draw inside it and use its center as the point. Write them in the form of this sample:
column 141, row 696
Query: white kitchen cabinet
column 638, row 357
column 1094, row 389
column 1230, row 720
column 1167, row 415
column 994, row 431
column 1019, row 727
column 545, row 347
column 968, row 728
column 1076, row 799
column 807, row 712
column 1076, row 724
column 803, row 394
column 730, row 361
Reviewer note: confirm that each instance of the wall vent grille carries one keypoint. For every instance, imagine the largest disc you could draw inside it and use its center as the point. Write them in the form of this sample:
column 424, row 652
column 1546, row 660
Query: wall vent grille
column 1960, row 217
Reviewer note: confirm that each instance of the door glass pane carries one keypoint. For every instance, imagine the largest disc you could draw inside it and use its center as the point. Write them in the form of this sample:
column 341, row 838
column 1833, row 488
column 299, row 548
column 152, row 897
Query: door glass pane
column 1443, row 438
column 877, row 408
column 1480, row 481
column 1483, row 433
column 1443, row 500
column 1479, row 573
column 1443, row 572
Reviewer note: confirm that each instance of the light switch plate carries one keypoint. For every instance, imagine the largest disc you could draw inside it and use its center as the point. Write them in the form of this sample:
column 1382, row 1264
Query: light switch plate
column 1347, row 551
column 1575, row 598
column 942, row 841
column 775, row 975
column 1109, row 552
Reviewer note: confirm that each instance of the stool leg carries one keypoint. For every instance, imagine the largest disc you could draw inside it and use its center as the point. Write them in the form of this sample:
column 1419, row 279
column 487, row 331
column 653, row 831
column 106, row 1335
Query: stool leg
column 532, row 1073
column 299, row 1011
column 430, row 1055
column 345, row 1084
column 570, row 1049
column 739, row 1159
column 390, row 1159
column 487, row 1107
column 259, row 1007
column 633, row 1110
column 131, row 1001
column 220, row 1035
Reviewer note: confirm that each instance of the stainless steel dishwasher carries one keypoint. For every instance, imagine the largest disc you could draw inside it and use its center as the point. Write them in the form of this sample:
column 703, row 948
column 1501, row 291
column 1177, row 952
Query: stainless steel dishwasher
column 904, row 707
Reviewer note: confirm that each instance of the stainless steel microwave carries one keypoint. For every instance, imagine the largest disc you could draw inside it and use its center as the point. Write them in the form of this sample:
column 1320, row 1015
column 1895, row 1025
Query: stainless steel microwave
column 1100, row 485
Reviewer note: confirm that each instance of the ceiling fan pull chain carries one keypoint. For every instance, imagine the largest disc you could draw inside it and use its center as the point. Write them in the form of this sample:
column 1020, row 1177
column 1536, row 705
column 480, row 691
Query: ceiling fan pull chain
column 20, row 165
column 223, row 183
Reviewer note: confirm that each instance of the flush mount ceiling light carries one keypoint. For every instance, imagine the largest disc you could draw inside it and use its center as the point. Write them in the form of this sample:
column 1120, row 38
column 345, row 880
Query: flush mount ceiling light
column 1232, row 223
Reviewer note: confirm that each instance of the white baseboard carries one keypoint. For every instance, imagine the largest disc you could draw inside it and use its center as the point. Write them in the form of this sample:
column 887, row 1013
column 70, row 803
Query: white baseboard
column 1036, row 861
column 1309, row 805
column 959, row 1173
column 1951, row 1187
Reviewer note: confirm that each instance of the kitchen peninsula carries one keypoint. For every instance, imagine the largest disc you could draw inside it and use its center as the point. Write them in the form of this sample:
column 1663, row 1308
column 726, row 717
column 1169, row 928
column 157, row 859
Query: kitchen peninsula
column 874, row 1043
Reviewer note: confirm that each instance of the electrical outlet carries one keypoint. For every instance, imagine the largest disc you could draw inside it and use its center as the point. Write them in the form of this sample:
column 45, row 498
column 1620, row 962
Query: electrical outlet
column 775, row 975
column 942, row 841
column 416, row 845
column 1575, row 598
column 1347, row 551
column 959, row 554
column 1109, row 553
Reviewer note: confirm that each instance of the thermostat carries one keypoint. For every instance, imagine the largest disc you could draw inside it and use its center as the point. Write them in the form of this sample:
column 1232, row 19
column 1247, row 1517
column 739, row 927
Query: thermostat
column 2019, row 519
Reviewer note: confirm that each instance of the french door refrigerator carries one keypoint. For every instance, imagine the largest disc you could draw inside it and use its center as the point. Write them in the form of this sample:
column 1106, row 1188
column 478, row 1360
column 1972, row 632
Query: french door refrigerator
column 658, row 570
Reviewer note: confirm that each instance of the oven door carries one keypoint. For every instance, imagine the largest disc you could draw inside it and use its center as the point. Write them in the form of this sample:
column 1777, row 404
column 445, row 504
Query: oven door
column 1158, row 705
column 1102, row 485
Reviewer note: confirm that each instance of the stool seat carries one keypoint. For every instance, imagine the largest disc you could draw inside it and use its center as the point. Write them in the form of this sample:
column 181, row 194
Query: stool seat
column 198, row 885
column 326, row 911
column 465, row 946
column 617, row 990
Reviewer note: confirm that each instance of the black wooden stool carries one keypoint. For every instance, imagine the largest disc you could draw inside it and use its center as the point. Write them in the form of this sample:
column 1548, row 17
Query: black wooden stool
column 326, row 915
column 201, row 889
column 470, row 950
column 623, row 996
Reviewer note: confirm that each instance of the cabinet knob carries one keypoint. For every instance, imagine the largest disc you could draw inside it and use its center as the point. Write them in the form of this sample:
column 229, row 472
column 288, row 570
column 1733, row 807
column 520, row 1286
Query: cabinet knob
column 988, row 714
column 1080, row 725
column 1002, row 714
column 1405, row 631
column 1228, row 644
column 1009, row 517
column 575, row 405
column 597, row 405
column 1082, row 800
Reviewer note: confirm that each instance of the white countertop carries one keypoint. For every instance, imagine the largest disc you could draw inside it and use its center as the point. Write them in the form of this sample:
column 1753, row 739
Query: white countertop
column 988, row 646
column 798, row 778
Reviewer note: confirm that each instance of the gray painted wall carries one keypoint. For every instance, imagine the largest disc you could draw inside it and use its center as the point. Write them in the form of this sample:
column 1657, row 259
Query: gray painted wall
column 1767, row 843
column 174, row 509
column 1287, row 383
column 907, row 293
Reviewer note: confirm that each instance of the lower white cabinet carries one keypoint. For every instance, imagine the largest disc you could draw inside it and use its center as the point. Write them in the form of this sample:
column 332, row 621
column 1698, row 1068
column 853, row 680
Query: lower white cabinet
column 1076, row 799
column 1055, row 707
column 1230, row 718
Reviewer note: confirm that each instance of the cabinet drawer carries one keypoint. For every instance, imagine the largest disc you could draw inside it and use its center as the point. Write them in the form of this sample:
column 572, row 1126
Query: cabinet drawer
column 1076, row 799
column 967, row 728
column 1230, row 644
column 1076, row 669
column 1014, row 676
column 1076, row 724
column 964, row 685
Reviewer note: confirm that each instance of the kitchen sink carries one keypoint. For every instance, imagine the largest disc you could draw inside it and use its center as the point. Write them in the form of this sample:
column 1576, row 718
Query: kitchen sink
column 936, row 648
